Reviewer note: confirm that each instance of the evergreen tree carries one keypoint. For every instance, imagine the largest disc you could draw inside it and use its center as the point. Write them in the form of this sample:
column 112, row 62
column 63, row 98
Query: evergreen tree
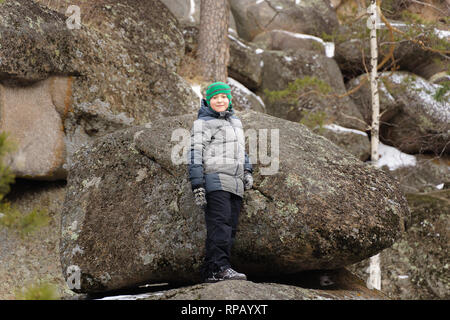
column 213, row 48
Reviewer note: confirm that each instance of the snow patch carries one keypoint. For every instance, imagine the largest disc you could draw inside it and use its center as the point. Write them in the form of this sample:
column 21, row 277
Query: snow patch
column 243, row 90
column 329, row 49
column 232, row 31
column 197, row 89
column 239, row 86
column 239, row 42
column 425, row 91
column 132, row 296
column 443, row 34
column 394, row 158
column 329, row 46
column 260, row 100
column 192, row 11
column 337, row 128
column 383, row 89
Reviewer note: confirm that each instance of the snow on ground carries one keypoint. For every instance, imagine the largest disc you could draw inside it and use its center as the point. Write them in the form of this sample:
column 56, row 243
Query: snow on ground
column 192, row 11
column 197, row 90
column 394, row 158
column 131, row 296
column 239, row 42
column 329, row 46
column 389, row 156
column 239, row 86
column 244, row 91
column 443, row 34
column 337, row 128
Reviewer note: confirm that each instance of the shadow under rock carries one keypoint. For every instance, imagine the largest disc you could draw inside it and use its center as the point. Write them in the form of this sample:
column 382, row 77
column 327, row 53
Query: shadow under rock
column 339, row 279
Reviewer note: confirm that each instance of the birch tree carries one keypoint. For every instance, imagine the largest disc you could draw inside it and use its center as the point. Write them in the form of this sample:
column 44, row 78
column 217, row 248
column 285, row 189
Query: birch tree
column 213, row 47
column 374, row 280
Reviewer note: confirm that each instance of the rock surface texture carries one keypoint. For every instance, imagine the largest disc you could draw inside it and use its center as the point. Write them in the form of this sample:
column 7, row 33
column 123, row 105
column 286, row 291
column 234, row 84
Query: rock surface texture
column 129, row 215
column 342, row 285
column 115, row 71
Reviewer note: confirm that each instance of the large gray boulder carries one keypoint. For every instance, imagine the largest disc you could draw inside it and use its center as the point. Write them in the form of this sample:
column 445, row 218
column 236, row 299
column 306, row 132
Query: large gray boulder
column 32, row 116
column 280, row 69
column 144, row 28
column 29, row 252
column 129, row 215
column 187, row 12
column 340, row 285
column 415, row 113
column 429, row 173
column 306, row 16
column 110, row 73
column 245, row 64
column 416, row 266
column 353, row 48
column 273, row 62
column 355, row 142
column 284, row 40
column 244, row 99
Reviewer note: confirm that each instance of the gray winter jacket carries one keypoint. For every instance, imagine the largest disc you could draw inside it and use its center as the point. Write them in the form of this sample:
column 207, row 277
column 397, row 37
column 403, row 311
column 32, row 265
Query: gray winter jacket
column 217, row 158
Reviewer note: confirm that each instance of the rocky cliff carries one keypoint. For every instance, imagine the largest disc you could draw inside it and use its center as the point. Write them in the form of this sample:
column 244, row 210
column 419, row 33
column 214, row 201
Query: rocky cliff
column 92, row 110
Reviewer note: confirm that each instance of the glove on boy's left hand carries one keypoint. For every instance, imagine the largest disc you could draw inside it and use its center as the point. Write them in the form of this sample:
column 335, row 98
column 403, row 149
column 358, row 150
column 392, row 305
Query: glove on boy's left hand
column 248, row 180
column 200, row 197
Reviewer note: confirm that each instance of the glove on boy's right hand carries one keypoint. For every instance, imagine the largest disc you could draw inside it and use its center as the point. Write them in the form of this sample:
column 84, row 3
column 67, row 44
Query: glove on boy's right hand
column 248, row 180
column 200, row 197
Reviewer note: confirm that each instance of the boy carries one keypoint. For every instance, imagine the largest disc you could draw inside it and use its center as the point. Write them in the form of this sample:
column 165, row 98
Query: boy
column 219, row 171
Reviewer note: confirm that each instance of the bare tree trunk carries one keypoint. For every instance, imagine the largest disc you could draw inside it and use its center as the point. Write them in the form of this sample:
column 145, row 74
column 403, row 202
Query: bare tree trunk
column 213, row 47
column 374, row 280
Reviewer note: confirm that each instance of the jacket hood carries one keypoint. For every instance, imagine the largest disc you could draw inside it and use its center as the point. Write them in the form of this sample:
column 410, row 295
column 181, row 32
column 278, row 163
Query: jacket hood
column 206, row 111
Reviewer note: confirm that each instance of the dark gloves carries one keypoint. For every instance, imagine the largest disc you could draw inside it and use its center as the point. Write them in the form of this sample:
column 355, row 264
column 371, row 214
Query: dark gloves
column 248, row 180
column 200, row 197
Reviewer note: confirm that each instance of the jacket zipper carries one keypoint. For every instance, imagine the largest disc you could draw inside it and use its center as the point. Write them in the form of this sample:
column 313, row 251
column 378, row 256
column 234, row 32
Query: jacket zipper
column 237, row 158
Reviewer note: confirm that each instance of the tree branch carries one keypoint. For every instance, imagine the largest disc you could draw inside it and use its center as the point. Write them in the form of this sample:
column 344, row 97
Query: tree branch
column 419, row 42
column 429, row 5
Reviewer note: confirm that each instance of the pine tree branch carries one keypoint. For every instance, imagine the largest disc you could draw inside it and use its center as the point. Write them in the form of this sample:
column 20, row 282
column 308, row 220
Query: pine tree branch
column 419, row 42
column 429, row 5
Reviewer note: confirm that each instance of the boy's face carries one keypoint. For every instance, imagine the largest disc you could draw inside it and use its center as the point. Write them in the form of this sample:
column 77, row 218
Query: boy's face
column 219, row 102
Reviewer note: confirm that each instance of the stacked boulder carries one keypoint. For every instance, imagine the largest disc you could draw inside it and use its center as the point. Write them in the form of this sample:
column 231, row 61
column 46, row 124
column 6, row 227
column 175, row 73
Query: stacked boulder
column 129, row 216
column 102, row 106
column 75, row 84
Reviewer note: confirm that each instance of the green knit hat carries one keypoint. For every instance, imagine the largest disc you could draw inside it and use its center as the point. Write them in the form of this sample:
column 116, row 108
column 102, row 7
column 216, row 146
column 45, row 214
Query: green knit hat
column 216, row 88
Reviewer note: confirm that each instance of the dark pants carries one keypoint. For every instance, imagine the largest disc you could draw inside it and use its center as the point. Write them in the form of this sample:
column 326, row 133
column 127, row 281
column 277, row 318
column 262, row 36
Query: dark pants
column 221, row 216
